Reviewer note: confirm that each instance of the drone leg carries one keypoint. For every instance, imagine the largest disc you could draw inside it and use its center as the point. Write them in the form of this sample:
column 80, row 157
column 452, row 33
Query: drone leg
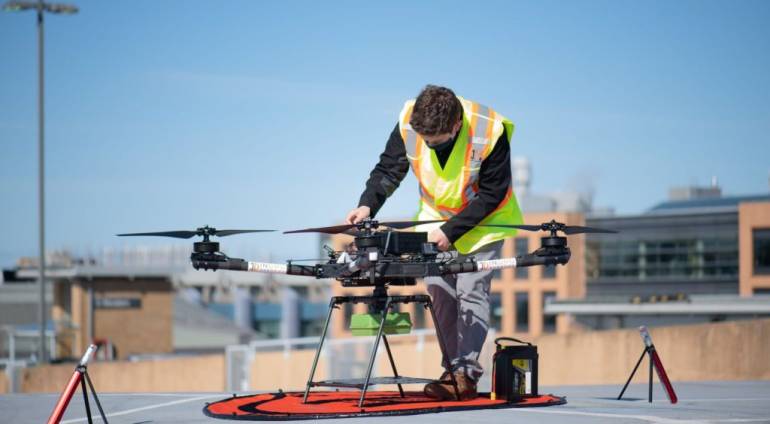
column 373, row 355
column 392, row 364
column 442, row 346
column 332, row 305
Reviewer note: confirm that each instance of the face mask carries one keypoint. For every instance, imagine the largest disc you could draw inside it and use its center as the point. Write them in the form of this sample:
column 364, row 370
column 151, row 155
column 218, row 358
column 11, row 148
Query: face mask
column 440, row 147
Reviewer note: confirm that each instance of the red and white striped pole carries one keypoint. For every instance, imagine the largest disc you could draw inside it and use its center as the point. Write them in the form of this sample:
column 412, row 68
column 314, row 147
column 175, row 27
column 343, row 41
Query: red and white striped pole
column 71, row 387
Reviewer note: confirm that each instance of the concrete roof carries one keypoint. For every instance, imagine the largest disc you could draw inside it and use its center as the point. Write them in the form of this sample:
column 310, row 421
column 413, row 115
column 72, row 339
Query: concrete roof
column 699, row 402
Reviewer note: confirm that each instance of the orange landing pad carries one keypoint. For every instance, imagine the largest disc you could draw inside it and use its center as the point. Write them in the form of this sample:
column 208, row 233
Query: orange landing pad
column 288, row 406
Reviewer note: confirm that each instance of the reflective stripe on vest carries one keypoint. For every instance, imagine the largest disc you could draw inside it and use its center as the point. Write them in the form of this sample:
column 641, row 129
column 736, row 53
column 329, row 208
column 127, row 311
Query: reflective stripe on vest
column 444, row 192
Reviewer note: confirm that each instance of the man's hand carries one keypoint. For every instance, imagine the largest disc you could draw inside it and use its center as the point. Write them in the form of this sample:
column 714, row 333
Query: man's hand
column 437, row 236
column 358, row 214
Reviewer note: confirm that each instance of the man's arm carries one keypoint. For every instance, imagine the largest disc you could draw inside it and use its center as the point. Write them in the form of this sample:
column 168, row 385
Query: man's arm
column 387, row 174
column 494, row 180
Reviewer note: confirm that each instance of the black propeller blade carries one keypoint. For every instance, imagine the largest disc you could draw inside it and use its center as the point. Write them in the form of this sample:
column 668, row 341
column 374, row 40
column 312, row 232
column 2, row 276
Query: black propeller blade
column 520, row 227
column 335, row 229
column 224, row 233
column 175, row 234
column 400, row 225
column 203, row 231
column 346, row 228
column 553, row 226
column 574, row 229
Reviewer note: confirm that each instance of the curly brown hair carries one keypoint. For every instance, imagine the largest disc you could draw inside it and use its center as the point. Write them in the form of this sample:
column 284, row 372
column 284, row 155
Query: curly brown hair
column 436, row 111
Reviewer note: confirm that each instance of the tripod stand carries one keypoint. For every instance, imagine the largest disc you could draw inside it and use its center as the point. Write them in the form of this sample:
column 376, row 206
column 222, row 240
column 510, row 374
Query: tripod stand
column 655, row 362
column 648, row 350
column 80, row 376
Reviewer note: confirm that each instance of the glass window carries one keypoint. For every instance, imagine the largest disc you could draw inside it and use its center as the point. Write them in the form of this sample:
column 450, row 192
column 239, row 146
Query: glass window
column 522, row 248
column 549, row 321
column 270, row 328
column 495, row 311
column 549, row 271
column 683, row 258
column 522, row 312
column 309, row 328
column 761, row 251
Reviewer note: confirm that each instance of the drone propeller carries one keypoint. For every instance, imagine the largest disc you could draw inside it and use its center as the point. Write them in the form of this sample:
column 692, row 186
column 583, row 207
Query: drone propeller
column 554, row 226
column 175, row 234
column 400, row 225
column 575, row 229
column 346, row 228
column 336, row 229
column 203, row 231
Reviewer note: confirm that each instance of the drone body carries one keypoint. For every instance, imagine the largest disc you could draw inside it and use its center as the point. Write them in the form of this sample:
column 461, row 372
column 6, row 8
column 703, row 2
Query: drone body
column 381, row 257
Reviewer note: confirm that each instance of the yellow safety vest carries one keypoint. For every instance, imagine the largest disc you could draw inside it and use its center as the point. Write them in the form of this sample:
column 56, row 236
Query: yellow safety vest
column 445, row 192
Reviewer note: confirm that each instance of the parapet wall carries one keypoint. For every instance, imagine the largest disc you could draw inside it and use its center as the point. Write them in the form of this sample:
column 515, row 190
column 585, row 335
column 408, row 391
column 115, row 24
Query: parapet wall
column 185, row 374
column 736, row 350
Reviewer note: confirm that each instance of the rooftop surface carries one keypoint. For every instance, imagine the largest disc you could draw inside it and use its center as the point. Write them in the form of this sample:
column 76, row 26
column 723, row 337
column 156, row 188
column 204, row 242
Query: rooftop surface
column 703, row 402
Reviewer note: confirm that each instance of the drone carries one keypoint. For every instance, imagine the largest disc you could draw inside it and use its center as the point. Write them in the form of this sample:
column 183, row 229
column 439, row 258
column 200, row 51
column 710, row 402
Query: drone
column 382, row 256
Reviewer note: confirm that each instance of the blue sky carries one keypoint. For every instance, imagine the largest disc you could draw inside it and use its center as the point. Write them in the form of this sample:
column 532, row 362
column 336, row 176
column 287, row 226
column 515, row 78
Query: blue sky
column 171, row 114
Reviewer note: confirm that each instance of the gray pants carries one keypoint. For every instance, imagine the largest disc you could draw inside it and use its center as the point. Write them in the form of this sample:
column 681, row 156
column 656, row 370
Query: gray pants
column 461, row 303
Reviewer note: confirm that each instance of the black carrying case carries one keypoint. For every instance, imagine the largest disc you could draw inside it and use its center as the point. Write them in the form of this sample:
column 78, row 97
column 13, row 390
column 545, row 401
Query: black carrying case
column 509, row 379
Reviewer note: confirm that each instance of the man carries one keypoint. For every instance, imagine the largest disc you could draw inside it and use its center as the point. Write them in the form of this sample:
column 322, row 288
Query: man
column 459, row 151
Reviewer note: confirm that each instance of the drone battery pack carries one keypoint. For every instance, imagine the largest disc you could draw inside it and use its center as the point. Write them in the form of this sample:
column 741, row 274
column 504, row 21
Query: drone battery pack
column 514, row 370
column 369, row 324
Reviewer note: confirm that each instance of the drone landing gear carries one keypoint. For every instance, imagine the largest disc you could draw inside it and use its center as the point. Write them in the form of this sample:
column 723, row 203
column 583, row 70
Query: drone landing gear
column 382, row 303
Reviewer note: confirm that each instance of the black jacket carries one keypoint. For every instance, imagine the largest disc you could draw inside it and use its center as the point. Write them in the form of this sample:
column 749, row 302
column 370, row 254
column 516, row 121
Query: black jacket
column 494, row 180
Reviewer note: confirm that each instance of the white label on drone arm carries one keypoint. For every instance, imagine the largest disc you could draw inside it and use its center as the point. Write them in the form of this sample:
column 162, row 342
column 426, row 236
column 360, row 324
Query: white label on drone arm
column 496, row 264
column 267, row 267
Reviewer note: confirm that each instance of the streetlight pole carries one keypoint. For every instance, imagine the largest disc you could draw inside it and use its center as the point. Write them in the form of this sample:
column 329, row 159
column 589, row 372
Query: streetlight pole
column 41, row 7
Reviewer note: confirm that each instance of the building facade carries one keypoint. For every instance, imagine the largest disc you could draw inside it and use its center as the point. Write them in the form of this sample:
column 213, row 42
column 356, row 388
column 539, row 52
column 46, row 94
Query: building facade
column 684, row 261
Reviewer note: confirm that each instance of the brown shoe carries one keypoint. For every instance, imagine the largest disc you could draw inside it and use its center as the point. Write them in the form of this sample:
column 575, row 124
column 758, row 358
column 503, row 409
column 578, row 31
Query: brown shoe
column 444, row 390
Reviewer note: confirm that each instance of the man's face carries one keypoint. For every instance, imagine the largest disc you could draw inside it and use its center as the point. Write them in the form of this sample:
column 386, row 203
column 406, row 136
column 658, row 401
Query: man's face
column 435, row 140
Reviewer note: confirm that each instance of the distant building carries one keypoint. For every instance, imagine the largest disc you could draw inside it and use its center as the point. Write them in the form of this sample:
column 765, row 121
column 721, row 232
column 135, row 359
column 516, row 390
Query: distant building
column 699, row 253
column 678, row 194
column 143, row 301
